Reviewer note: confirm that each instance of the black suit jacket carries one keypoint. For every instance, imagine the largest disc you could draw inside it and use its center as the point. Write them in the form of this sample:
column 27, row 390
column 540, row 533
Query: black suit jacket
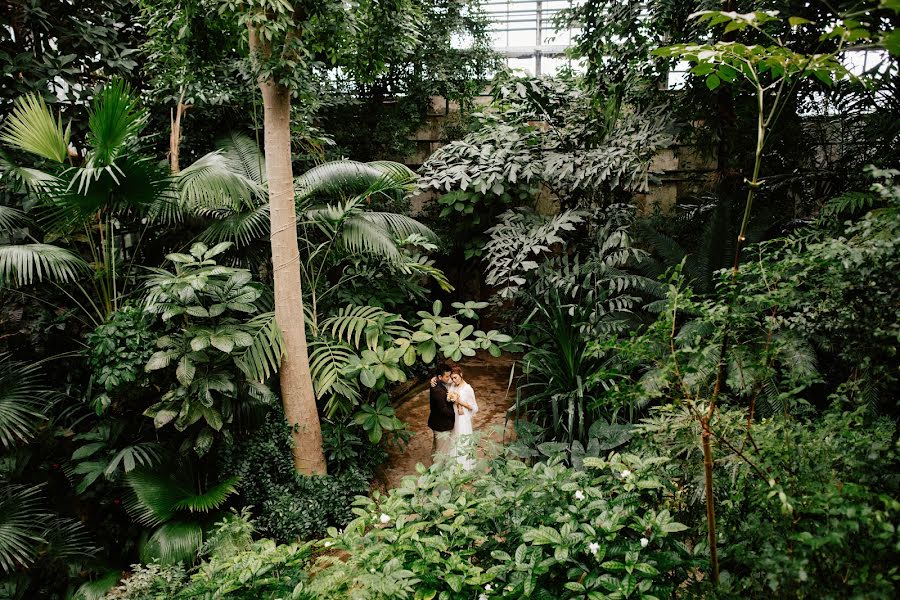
column 442, row 417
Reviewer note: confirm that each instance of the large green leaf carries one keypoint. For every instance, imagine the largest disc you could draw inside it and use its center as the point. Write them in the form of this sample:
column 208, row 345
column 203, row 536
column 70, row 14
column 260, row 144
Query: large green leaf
column 178, row 541
column 23, row 398
column 114, row 123
column 21, row 525
column 30, row 127
column 26, row 263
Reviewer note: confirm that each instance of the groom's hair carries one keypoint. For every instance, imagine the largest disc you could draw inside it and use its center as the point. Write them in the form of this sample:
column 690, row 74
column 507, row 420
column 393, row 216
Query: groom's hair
column 442, row 368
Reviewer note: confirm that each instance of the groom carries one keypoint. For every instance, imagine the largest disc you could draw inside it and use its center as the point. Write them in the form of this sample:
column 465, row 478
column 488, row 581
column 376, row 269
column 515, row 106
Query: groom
column 443, row 415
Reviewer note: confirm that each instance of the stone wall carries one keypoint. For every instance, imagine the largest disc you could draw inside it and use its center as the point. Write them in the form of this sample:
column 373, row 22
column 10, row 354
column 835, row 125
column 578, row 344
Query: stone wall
column 680, row 172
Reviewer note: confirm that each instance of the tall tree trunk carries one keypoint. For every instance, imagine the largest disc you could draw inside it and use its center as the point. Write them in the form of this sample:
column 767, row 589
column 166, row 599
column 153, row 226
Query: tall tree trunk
column 296, row 383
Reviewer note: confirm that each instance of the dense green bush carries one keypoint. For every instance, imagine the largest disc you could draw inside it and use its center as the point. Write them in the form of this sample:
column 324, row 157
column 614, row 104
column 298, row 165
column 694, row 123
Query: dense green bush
column 547, row 531
column 807, row 509
column 289, row 505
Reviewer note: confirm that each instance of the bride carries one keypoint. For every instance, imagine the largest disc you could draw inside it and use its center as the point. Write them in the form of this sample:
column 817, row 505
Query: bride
column 466, row 407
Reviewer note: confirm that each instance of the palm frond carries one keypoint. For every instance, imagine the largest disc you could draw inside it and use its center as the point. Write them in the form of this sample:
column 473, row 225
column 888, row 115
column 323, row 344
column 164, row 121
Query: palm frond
column 154, row 496
column 98, row 588
column 262, row 358
column 351, row 323
column 23, row 398
column 11, row 218
column 22, row 519
column 326, row 362
column 240, row 227
column 30, row 127
column 26, row 263
column 212, row 498
column 178, row 541
column 115, row 120
column 218, row 181
column 337, row 179
column 399, row 225
column 361, row 236
column 244, row 157
column 69, row 541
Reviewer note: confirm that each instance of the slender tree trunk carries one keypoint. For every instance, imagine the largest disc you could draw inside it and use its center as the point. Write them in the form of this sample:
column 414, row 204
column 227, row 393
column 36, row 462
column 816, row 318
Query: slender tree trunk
column 296, row 382
column 175, row 133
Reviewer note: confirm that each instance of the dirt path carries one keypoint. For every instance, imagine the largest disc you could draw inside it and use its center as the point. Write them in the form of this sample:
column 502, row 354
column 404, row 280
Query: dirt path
column 489, row 378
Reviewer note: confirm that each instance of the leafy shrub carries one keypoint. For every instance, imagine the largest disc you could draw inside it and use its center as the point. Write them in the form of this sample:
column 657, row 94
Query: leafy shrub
column 220, row 343
column 514, row 531
column 817, row 520
column 290, row 505
column 117, row 353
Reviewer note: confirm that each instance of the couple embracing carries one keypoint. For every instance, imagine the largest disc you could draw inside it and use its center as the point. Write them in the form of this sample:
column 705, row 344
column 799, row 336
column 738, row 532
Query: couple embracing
column 452, row 407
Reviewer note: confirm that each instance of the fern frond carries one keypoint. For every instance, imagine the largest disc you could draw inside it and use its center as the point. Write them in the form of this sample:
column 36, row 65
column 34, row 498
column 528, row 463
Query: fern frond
column 352, row 322
column 178, row 541
column 263, row 357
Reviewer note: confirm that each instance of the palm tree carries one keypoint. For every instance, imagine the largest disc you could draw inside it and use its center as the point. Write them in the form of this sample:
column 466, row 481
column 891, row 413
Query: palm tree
column 88, row 192
column 230, row 186
column 179, row 507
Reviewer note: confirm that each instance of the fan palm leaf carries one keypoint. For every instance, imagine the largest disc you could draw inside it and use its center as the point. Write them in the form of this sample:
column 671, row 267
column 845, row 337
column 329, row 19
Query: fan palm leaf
column 23, row 397
column 174, row 542
column 114, row 123
column 22, row 525
column 30, row 127
column 338, row 179
column 158, row 497
column 24, row 264
column 241, row 227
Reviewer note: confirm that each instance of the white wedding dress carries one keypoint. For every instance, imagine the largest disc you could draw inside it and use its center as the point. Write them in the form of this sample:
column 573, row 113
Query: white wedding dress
column 463, row 446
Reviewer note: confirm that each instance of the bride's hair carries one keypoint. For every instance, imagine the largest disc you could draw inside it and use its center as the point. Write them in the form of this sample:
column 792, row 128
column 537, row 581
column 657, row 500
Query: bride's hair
column 456, row 371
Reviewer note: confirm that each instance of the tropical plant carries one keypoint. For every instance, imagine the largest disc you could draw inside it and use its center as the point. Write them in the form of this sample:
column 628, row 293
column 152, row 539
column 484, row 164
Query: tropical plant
column 221, row 344
column 117, row 352
column 24, row 400
column 103, row 455
column 180, row 504
column 113, row 182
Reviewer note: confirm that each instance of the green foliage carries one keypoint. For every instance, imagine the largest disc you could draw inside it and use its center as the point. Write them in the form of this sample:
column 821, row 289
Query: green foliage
column 378, row 418
column 545, row 131
column 511, row 532
column 171, row 502
column 823, row 518
column 117, row 353
column 290, row 506
column 23, row 401
column 210, row 304
column 103, row 455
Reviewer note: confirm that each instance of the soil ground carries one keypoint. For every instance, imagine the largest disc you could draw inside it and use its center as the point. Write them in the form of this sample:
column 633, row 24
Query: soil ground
column 489, row 377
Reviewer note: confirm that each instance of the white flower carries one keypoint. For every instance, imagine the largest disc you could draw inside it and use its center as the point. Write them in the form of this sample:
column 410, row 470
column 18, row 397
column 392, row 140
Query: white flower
column 579, row 495
column 626, row 474
column 384, row 518
column 644, row 542
column 593, row 547
column 487, row 587
column 372, row 570
column 482, row 597
column 326, row 544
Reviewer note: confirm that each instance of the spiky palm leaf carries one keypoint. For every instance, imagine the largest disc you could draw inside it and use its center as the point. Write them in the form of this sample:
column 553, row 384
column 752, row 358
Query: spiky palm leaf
column 22, row 525
column 30, row 127
column 157, row 496
column 174, row 542
column 24, row 264
column 23, row 398
column 241, row 227
column 338, row 180
column 327, row 360
column 232, row 177
column 114, row 123
column 262, row 358
column 352, row 322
